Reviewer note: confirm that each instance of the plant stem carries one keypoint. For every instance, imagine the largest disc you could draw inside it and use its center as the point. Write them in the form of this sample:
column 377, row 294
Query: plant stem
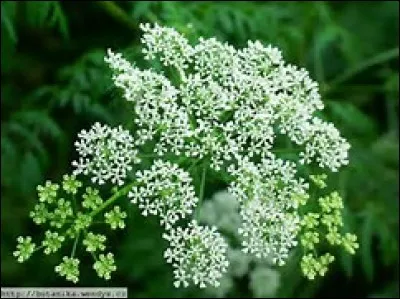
column 38, row 248
column 117, row 13
column 94, row 256
column 192, row 165
column 202, row 187
column 113, row 198
column 380, row 58
column 75, row 205
column 75, row 244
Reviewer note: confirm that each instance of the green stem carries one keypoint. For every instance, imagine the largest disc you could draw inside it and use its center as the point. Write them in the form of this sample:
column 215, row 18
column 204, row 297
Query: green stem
column 113, row 198
column 37, row 248
column 117, row 13
column 75, row 244
column 94, row 256
column 202, row 187
column 378, row 59
column 75, row 205
column 192, row 165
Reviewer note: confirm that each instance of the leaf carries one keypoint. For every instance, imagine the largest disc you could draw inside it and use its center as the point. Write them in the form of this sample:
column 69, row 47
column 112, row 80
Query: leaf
column 386, row 149
column 30, row 173
column 100, row 112
column 351, row 118
column 366, row 245
column 26, row 135
column 59, row 19
column 347, row 263
column 9, row 153
column 141, row 8
column 46, row 14
column 7, row 18
column 36, row 13
column 39, row 120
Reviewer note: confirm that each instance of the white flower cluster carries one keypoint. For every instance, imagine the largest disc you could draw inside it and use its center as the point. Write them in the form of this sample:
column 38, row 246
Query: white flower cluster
column 222, row 210
column 230, row 107
column 228, row 103
column 105, row 153
column 164, row 190
column 198, row 255
column 266, row 193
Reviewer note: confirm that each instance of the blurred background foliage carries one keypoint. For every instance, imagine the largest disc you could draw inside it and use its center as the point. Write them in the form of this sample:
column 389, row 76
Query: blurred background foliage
column 54, row 83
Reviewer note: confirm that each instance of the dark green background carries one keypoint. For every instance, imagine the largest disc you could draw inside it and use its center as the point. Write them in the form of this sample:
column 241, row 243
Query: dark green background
column 54, row 83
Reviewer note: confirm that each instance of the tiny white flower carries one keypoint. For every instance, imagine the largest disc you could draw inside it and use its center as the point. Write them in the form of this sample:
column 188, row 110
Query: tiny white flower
column 107, row 154
column 197, row 254
column 164, row 190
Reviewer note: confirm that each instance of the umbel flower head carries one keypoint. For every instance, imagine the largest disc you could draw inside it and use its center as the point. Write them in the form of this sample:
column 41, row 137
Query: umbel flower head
column 164, row 190
column 229, row 110
column 233, row 108
column 105, row 153
column 227, row 102
column 198, row 255
column 267, row 194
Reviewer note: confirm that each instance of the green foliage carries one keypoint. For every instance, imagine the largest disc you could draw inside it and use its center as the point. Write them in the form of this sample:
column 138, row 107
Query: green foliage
column 45, row 14
column 57, row 83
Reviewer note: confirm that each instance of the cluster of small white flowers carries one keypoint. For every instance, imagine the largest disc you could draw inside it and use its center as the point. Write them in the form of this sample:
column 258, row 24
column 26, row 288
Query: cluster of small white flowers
column 228, row 103
column 230, row 107
column 222, row 210
column 173, row 49
column 272, row 179
column 265, row 193
column 268, row 232
column 197, row 254
column 327, row 145
column 105, row 153
column 225, row 109
column 164, row 190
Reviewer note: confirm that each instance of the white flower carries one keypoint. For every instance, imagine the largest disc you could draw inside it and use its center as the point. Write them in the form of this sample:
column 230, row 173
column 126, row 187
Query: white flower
column 105, row 153
column 164, row 190
column 267, row 208
column 327, row 145
column 267, row 231
column 197, row 254
column 272, row 179
column 173, row 48
column 233, row 108
column 227, row 103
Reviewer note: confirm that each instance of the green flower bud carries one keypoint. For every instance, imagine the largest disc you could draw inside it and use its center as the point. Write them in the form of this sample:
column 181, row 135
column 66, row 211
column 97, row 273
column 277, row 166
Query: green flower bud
column 25, row 248
column 310, row 220
column 52, row 242
column 47, row 193
column 40, row 214
column 61, row 213
column 105, row 265
column 69, row 268
column 319, row 180
column 91, row 199
column 94, row 242
column 309, row 239
column 71, row 184
column 349, row 243
column 115, row 218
